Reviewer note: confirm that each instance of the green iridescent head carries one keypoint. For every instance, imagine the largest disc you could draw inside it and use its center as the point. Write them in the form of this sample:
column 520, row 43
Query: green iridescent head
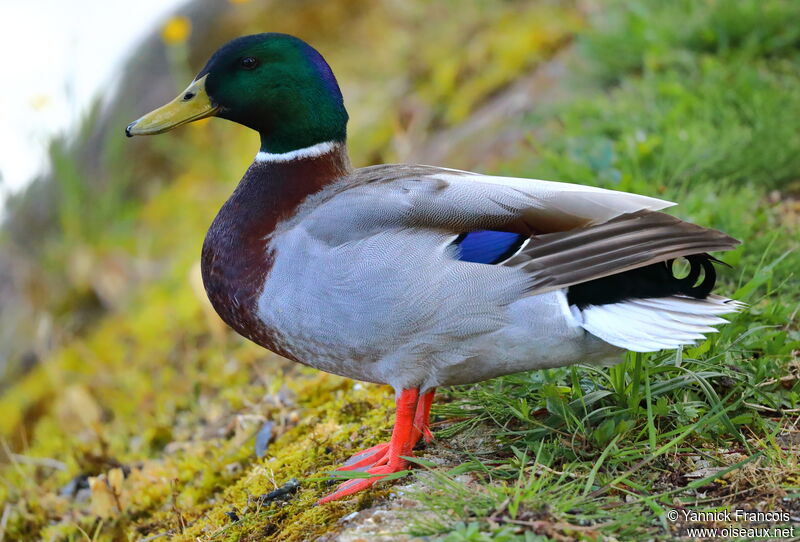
column 275, row 84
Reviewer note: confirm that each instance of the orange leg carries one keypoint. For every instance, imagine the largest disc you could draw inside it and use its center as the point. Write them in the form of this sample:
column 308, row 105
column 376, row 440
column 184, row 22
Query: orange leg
column 422, row 417
column 385, row 459
column 369, row 457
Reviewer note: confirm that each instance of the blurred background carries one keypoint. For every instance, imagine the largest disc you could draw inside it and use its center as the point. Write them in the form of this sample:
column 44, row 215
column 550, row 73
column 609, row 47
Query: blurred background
column 109, row 353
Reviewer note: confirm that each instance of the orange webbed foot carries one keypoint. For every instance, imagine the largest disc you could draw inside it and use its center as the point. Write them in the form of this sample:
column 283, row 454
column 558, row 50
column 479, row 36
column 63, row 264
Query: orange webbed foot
column 355, row 485
column 379, row 461
column 365, row 458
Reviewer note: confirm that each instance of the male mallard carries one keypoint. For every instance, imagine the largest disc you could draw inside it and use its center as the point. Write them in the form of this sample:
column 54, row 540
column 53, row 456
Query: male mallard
column 419, row 276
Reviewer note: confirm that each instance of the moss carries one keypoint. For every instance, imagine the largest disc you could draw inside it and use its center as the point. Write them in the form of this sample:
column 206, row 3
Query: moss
column 188, row 469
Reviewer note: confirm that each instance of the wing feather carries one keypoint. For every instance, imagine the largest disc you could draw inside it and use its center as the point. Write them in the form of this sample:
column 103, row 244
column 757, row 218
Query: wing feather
column 634, row 240
column 578, row 233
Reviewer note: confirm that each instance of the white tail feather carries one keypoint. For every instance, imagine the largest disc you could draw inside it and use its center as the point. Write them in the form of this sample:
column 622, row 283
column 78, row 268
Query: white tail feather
column 648, row 325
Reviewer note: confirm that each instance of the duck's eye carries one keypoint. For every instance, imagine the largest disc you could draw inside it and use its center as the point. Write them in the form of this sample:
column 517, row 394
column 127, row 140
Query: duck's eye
column 248, row 63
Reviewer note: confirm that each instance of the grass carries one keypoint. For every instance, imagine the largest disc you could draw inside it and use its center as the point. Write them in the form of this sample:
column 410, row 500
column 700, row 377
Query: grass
column 688, row 101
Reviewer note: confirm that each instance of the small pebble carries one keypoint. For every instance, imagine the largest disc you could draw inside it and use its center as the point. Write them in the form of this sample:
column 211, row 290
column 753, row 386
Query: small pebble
column 262, row 439
column 286, row 489
column 74, row 486
column 349, row 516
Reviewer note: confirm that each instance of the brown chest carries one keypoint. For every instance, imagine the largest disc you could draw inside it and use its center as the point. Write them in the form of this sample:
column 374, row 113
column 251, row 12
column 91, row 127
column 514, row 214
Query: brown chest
column 236, row 258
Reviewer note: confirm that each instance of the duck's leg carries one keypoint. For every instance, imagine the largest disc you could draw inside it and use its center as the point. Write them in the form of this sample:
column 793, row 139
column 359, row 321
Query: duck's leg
column 404, row 437
column 373, row 455
column 422, row 423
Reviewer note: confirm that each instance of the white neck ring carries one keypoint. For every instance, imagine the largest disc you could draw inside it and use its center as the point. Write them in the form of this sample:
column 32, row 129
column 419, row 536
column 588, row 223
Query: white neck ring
column 307, row 152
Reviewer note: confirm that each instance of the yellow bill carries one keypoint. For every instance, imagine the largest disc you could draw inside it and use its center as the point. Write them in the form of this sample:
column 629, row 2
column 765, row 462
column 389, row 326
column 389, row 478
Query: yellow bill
column 190, row 105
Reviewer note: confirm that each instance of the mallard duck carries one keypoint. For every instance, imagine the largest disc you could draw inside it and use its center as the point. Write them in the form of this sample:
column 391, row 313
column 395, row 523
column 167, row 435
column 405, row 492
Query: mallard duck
column 419, row 276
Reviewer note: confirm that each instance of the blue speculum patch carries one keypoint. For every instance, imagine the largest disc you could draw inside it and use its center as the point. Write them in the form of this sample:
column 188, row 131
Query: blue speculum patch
column 489, row 247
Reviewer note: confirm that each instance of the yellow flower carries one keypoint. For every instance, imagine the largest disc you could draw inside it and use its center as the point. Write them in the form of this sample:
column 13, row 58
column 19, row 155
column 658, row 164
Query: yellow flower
column 176, row 30
column 40, row 101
